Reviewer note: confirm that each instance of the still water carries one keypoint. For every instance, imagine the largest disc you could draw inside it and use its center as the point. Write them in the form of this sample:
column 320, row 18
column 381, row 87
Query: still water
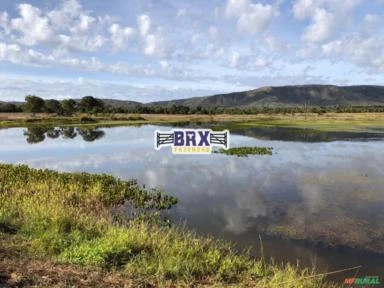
column 318, row 199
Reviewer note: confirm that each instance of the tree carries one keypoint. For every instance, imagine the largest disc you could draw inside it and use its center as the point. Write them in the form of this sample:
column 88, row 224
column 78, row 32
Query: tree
column 68, row 106
column 9, row 107
column 33, row 104
column 91, row 104
column 52, row 106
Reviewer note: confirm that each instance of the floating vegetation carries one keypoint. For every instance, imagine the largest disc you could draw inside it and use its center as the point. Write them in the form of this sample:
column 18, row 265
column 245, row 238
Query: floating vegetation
column 245, row 151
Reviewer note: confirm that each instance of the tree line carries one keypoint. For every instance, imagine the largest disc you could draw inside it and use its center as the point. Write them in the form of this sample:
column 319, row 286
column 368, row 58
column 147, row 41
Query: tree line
column 35, row 104
column 92, row 105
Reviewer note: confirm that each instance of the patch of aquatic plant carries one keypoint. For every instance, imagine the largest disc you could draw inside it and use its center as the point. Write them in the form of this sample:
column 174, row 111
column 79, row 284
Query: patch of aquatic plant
column 245, row 151
column 79, row 218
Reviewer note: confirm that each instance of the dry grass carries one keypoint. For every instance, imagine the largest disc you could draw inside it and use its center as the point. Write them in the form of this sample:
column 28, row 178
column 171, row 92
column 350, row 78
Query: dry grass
column 325, row 122
column 219, row 117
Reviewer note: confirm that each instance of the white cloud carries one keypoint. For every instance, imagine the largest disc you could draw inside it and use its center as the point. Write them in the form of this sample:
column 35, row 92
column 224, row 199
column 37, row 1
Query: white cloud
column 372, row 22
column 260, row 63
column 150, row 45
column 32, row 25
column 154, row 45
column 276, row 45
column 181, row 13
column 69, row 28
column 322, row 26
column 361, row 49
column 14, row 53
column 236, row 7
column 4, row 24
column 120, row 36
column 233, row 59
column 144, row 24
column 303, row 9
column 326, row 16
column 257, row 19
column 251, row 18
column 164, row 64
column 63, row 17
column 188, row 42
column 86, row 43
column 83, row 24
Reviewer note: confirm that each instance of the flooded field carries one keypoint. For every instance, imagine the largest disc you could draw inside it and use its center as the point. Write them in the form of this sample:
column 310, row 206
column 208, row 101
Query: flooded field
column 318, row 199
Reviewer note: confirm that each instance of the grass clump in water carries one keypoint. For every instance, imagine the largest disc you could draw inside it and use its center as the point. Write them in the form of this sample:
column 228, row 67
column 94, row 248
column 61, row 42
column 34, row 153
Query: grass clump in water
column 245, row 151
column 82, row 219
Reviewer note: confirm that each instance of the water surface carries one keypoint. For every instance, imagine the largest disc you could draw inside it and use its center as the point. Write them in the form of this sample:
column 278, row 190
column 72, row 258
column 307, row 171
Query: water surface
column 317, row 198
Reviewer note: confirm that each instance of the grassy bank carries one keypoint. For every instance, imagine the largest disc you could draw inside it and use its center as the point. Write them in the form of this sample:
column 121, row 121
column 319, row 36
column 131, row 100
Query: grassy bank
column 77, row 223
column 324, row 122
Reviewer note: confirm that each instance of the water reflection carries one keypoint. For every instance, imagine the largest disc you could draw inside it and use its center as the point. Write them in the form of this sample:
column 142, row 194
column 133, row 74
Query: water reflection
column 289, row 133
column 39, row 134
column 307, row 135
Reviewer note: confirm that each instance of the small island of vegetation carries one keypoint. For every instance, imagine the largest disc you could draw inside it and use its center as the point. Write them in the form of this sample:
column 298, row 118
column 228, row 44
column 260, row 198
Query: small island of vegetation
column 245, row 151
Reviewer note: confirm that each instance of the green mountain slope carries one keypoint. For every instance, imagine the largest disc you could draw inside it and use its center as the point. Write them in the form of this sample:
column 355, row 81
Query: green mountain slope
column 289, row 96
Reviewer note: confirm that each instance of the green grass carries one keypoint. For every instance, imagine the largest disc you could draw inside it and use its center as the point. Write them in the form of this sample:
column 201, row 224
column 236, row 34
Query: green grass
column 245, row 151
column 77, row 218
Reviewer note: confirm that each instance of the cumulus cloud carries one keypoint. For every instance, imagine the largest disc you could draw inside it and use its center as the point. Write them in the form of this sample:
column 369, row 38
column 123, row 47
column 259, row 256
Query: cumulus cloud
column 234, row 44
column 321, row 28
column 120, row 36
column 326, row 16
column 361, row 49
column 69, row 27
column 32, row 25
column 144, row 24
column 303, row 9
column 64, row 15
column 251, row 18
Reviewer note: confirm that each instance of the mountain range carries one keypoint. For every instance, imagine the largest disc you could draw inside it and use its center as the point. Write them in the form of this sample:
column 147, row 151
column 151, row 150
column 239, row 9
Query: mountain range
column 278, row 96
column 289, row 96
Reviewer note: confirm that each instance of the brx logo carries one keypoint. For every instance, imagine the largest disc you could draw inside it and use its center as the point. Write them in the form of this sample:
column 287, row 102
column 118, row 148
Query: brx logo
column 191, row 141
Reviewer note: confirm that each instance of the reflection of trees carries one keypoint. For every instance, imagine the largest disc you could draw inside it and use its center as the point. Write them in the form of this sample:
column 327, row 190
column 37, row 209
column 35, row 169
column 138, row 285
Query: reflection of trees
column 39, row 134
column 35, row 134
column 68, row 132
column 301, row 134
column 53, row 133
column 90, row 134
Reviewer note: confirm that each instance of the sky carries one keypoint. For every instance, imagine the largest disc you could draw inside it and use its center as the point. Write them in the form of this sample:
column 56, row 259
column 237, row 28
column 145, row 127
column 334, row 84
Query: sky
column 149, row 50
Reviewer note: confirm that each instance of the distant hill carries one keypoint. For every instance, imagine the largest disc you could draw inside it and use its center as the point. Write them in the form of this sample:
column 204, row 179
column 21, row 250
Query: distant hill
column 279, row 96
column 120, row 103
column 288, row 96
column 17, row 103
